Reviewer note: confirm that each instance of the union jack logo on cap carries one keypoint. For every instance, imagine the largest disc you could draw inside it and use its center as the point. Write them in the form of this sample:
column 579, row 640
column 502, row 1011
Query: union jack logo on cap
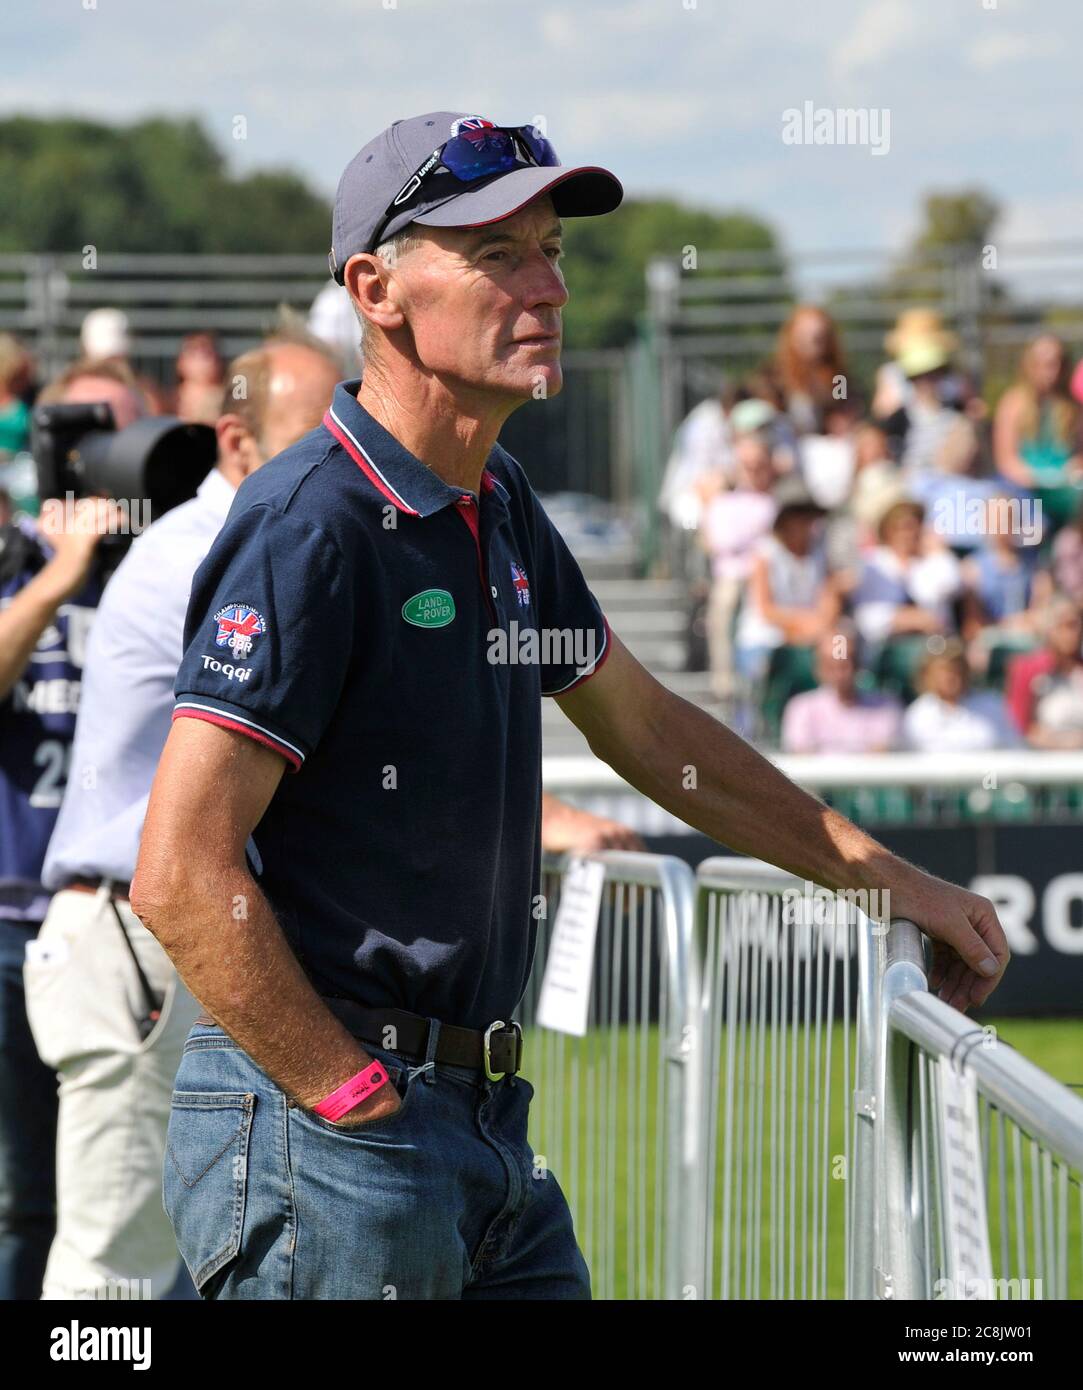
column 236, row 628
column 470, row 123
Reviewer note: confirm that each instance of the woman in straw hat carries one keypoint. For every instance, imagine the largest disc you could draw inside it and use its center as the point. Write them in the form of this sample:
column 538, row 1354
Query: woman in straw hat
column 918, row 391
column 913, row 326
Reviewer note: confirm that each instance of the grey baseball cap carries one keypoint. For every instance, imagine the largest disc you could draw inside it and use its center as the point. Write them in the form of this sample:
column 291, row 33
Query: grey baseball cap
column 379, row 172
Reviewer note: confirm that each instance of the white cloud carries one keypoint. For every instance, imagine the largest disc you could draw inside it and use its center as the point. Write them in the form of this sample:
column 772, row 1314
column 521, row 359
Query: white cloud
column 882, row 31
column 558, row 28
column 674, row 100
column 1055, row 217
column 994, row 50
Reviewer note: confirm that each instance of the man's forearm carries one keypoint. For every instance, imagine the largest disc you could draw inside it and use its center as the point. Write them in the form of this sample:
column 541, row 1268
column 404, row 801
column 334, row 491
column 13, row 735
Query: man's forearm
column 231, row 953
column 703, row 773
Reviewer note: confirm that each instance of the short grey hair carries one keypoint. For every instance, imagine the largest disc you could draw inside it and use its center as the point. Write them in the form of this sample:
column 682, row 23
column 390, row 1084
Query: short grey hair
column 390, row 252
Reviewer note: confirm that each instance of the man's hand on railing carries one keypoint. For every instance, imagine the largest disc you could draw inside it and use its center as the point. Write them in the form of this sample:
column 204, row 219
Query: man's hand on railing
column 970, row 950
column 567, row 829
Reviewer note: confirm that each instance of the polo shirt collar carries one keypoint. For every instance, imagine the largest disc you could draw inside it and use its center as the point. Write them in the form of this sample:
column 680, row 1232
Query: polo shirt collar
column 390, row 467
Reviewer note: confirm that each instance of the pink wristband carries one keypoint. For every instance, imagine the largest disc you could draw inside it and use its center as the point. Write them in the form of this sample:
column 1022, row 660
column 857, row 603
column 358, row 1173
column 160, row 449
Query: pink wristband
column 352, row 1092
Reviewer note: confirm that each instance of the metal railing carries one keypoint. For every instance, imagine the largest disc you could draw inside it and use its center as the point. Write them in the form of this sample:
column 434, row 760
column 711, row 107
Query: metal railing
column 1027, row 785
column 769, row 1103
column 608, row 1114
column 779, row 987
column 44, row 298
column 1007, row 1226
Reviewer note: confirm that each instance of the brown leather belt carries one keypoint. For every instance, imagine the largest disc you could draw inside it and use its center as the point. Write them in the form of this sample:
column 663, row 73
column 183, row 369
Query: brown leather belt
column 119, row 892
column 496, row 1050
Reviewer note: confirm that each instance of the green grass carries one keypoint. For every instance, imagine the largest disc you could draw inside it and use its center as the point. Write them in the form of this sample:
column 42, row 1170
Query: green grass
column 595, row 1122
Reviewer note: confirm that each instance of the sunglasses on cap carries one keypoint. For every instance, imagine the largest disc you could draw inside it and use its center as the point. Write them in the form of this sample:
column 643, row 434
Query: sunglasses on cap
column 475, row 152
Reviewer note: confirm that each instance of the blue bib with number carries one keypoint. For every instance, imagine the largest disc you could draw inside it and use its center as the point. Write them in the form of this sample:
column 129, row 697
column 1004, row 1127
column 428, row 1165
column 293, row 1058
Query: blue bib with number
column 37, row 723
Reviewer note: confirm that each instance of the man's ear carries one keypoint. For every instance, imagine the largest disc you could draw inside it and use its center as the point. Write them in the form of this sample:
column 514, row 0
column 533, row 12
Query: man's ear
column 372, row 287
column 238, row 452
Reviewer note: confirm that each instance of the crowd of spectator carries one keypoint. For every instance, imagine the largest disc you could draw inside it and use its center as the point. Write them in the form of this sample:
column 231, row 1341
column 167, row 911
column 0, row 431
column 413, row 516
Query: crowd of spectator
column 901, row 572
column 914, row 549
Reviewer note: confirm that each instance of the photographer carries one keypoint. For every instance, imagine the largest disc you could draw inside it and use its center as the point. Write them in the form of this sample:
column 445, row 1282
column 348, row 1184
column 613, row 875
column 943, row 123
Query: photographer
column 108, row 1009
column 48, row 593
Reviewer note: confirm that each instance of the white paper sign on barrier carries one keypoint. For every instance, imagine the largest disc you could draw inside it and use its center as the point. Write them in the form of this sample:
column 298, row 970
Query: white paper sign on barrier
column 565, row 993
column 970, row 1263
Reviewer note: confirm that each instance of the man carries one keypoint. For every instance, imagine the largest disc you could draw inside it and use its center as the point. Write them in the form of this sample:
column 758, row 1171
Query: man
column 107, row 1010
column 48, row 592
column 837, row 717
column 349, row 1122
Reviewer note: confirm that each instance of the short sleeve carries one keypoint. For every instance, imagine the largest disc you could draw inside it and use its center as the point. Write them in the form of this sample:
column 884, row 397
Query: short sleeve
column 565, row 605
column 269, row 632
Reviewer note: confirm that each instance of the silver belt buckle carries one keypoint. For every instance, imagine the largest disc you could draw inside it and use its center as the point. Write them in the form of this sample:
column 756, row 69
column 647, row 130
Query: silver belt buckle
column 496, row 1075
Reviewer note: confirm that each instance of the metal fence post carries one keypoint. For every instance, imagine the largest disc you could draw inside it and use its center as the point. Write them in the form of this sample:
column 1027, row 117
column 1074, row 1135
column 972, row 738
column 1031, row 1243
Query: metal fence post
column 861, row 1256
column 594, row 1093
column 684, row 1056
column 897, row 1272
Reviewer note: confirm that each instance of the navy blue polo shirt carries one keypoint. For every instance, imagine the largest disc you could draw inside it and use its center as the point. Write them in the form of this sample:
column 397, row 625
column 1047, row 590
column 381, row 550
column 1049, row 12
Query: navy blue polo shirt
column 391, row 637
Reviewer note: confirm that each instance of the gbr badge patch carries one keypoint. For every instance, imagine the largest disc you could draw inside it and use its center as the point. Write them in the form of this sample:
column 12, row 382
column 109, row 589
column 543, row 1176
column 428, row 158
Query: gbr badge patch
column 237, row 626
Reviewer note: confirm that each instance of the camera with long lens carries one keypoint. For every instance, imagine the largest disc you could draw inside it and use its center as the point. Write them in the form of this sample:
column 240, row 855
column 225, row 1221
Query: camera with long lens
column 159, row 461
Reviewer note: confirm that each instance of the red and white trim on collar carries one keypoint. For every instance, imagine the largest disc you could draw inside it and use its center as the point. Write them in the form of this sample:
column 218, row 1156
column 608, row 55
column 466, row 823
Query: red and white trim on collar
column 355, row 451
column 353, row 447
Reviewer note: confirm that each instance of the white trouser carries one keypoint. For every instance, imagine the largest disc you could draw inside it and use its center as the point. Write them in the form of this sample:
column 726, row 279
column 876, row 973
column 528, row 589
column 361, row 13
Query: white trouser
column 84, row 1000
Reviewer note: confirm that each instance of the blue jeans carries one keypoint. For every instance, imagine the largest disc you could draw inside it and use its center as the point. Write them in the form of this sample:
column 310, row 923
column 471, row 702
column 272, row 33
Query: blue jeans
column 442, row 1200
column 28, row 1105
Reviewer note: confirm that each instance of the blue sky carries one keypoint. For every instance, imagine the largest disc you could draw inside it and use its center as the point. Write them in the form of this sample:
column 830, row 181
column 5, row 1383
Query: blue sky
column 678, row 97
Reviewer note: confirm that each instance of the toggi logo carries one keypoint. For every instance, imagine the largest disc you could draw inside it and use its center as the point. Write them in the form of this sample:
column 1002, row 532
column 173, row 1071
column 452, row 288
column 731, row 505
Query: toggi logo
column 430, row 608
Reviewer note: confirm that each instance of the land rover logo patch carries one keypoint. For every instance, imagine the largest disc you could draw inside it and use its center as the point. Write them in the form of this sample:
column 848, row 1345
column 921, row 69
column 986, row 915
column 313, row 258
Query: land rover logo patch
column 430, row 608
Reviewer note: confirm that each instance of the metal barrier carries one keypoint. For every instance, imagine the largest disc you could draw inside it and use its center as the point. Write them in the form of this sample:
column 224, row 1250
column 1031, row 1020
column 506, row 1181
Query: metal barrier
column 777, row 1076
column 1032, row 785
column 982, row 1162
column 768, row 1103
column 610, row 1107
column 861, row 1138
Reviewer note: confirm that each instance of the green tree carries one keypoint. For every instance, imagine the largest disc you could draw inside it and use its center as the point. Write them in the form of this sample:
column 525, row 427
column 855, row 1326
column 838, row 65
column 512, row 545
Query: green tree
column 955, row 221
column 162, row 185
column 159, row 185
column 607, row 257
